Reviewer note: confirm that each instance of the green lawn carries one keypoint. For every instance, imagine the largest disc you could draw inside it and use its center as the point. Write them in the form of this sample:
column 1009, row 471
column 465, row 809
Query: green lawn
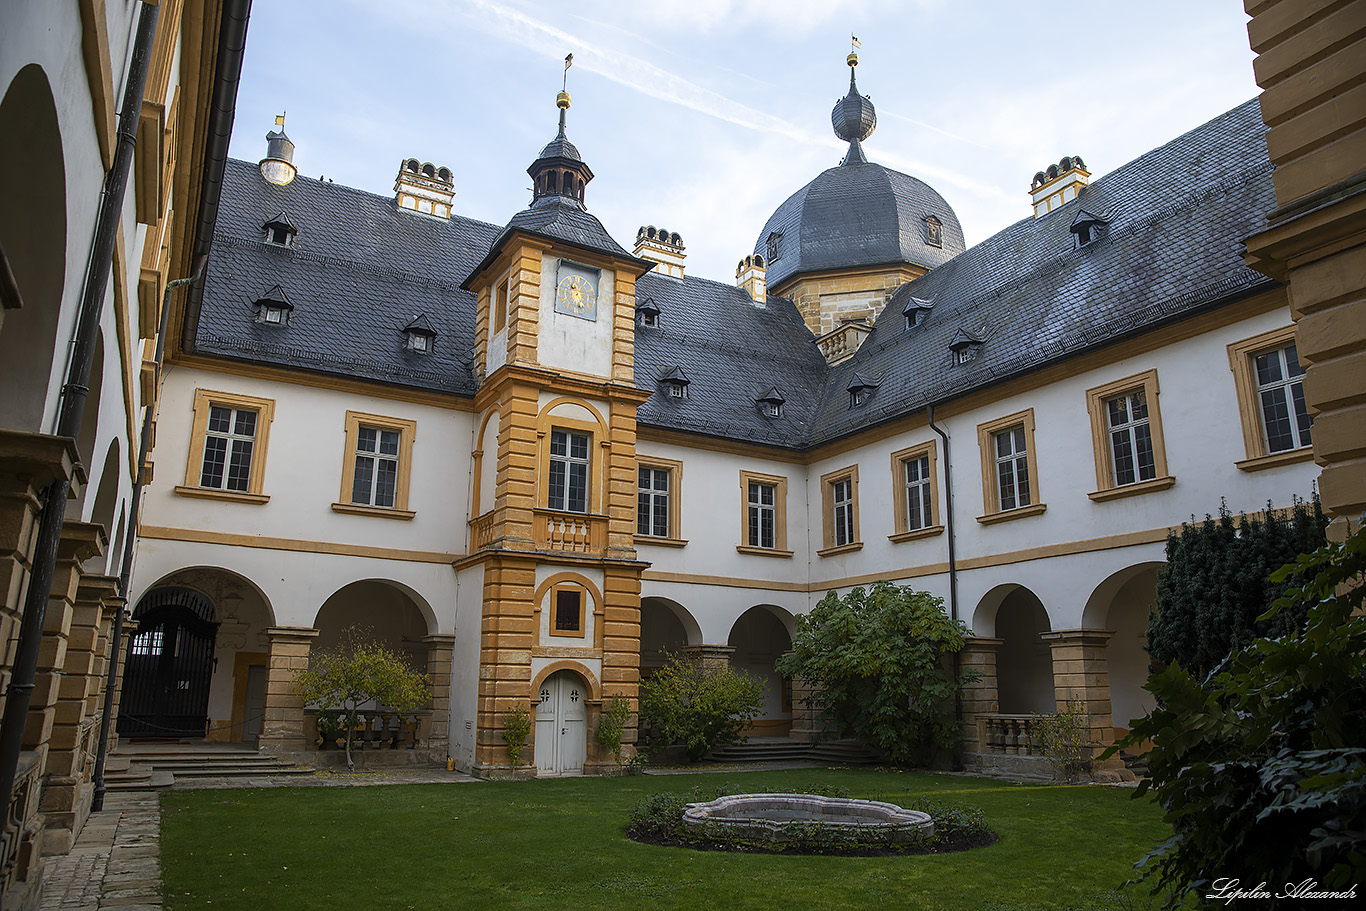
column 559, row 844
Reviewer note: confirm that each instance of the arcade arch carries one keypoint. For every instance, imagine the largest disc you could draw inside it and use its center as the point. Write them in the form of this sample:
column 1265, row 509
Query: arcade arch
column 758, row 638
column 1122, row 603
column 1024, row 661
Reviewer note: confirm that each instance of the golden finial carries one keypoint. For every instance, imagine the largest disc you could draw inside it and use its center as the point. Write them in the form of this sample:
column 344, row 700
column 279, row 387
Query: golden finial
column 562, row 99
column 854, row 45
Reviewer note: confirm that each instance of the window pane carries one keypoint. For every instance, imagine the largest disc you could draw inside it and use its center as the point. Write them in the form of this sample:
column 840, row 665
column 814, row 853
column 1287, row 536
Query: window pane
column 926, row 513
column 555, row 487
column 365, row 439
column 766, row 494
column 661, row 526
column 578, row 446
column 1006, row 481
column 239, row 467
column 644, row 481
column 220, row 419
column 766, row 529
column 1268, row 367
column 1143, row 441
column 559, row 443
column 362, row 480
column 1301, row 413
column 386, row 482
column 1276, row 420
column 754, row 526
column 578, row 488
column 246, row 423
column 1002, row 445
column 642, row 513
column 1022, row 477
column 215, row 452
column 1292, row 362
column 1019, row 435
column 567, row 610
column 1119, row 411
column 1124, row 457
column 1138, row 404
column 388, row 442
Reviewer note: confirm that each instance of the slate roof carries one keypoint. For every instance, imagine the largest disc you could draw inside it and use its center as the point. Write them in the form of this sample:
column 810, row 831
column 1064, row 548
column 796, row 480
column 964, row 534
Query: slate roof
column 357, row 273
column 858, row 214
column 360, row 270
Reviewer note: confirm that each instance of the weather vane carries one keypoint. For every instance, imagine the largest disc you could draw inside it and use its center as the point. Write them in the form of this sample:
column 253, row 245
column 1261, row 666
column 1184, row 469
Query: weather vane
column 568, row 62
column 280, row 120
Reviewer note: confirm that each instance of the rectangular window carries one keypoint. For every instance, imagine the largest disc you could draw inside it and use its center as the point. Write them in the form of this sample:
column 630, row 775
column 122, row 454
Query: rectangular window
column 1126, row 432
column 915, row 505
column 763, row 514
column 1280, row 397
column 918, row 493
column 228, row 443
column 376, row 476
column 500, row 306
column 652, row 517
column 568, row 610
column 1012, row 468
column 839, row 511
column 228, row 439
column 1270, row 385
column 567, row 484
column 377, row 465
column 1009, row 468
column 763, row 521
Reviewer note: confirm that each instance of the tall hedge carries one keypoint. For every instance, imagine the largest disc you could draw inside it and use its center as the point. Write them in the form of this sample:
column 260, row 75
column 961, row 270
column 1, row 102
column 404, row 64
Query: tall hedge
column 1217, row 583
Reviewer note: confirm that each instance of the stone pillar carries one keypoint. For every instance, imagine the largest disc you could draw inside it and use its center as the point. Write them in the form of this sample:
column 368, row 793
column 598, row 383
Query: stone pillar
column 130, row 628
column 805, row 727
column 79, row 542
column 440, row 654
column 710, row 656
column 282, row 731
column 980, row 697
column 1081, row 670
column 75, row 730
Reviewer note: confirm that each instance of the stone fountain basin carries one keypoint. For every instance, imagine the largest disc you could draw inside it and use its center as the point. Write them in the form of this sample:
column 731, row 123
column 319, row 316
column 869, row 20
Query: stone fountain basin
column 774, row 817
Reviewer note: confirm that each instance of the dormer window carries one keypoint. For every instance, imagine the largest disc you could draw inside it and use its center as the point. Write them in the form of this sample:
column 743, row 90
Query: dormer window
column 934, row 231
column 771, row 403
column 964, row 346
column 418, row 335
column 647, row 314
column 775, row 246
column 676, row 383
column 1087, row 227
column 280, row 231
column 860, row 391
column 274, row 307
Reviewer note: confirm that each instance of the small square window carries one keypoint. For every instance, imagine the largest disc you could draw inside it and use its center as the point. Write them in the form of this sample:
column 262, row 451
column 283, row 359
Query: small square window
column 279, row 236
column 677, row 391
column 858, row 397
column 964, row 355
column 648, row 319
column 772, row 409
column 277, row 316
column 568, row 610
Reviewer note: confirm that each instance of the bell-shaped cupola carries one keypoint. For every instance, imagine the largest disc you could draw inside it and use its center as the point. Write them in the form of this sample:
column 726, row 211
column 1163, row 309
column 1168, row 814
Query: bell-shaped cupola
column 854, row 118
column 559, row 170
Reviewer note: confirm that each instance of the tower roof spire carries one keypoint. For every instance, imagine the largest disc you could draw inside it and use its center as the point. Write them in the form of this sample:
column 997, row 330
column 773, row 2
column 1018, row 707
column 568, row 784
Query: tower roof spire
column 854, row 117
column 560, row 170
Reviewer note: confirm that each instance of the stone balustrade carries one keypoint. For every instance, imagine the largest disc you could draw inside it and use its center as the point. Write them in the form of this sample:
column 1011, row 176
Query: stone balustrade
column 481, row 532
column 1009, row 734
column 379, row 729
column 569, row 532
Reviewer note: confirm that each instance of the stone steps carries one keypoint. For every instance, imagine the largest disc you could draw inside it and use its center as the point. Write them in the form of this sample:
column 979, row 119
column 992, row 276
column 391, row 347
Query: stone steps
column 146, row 767
column 833, row 752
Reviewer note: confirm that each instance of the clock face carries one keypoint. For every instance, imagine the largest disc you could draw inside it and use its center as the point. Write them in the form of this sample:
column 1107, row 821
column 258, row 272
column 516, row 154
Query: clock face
column 577, row 293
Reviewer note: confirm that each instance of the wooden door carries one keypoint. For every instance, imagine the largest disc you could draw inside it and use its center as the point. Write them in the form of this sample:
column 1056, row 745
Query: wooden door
column 562, row 725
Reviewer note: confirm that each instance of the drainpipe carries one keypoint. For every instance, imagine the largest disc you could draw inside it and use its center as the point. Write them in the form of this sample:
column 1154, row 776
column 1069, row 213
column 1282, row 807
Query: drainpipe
column 953, row 560
column 72, row 407
column 131, row 536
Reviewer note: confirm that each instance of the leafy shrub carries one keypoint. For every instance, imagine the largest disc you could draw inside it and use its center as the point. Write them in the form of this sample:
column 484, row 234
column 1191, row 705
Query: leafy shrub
column 615, row 716
column 698, row 706
column 516, row 730
column 1065, row 737
column 952, row 822
column 1215, row 589
column 1262, row 766
column 878, row 662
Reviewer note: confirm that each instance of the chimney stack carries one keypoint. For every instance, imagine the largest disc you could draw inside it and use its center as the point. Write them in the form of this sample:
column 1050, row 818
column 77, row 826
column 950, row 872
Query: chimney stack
column 659, row 246
column 749, row 276
column 1057, row 184
column 425, row 188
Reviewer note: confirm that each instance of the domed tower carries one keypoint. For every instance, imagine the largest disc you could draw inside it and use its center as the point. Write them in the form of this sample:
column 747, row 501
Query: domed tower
column 841, row 245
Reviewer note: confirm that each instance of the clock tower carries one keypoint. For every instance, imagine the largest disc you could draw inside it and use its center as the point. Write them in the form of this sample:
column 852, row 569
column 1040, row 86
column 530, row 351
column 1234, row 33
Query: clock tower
column 552, row 518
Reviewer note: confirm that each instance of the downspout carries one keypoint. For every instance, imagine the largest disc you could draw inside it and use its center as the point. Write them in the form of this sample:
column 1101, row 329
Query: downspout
column 74, row 393
column 953, row 559
column 131, row 536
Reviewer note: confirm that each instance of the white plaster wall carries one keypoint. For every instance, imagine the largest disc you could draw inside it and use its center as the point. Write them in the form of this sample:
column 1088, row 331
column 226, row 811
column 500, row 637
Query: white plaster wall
column 568, row 342
column 303, row 469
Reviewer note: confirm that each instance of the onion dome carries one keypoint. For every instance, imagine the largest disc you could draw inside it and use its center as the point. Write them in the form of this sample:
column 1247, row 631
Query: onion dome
column 854, row 118
column 560, row 170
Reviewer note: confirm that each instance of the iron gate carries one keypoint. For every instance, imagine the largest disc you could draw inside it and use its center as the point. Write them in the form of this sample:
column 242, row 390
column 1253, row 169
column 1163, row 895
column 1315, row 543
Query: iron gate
column 169, row 666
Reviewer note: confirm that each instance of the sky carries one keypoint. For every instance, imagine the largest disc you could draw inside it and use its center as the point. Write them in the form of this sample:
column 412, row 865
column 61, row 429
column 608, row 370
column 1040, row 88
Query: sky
column 702, row 116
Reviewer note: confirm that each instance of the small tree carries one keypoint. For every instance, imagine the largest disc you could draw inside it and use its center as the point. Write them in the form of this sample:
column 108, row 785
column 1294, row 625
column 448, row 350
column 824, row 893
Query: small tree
column 1261, row 767
column 516, row 730
column 615, row 716
column 698, row 706
column 877, row 662
column 1065, row 736
column 1214, row 591
column 359, row 671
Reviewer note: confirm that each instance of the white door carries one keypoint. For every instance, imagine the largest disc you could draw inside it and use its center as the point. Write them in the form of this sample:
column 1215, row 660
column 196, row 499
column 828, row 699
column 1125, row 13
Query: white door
column 562, row 725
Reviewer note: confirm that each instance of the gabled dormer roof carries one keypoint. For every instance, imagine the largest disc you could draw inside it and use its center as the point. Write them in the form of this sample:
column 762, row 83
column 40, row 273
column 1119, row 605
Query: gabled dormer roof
column 420, row 325
column 962, row 338
column 280, row 220
column 675, row 377
column 275, row 296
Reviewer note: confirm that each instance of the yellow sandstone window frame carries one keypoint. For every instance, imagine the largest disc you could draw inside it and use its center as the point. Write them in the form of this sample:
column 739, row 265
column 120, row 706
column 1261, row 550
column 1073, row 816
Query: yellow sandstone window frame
column 553, row 601
column 986, row 444
column 1240, row 356
column 927, row 450
column 675, row 471
column 829, row 481
column 779, row 485
column 204, row 399
column 1096, row 405
column 407, row 435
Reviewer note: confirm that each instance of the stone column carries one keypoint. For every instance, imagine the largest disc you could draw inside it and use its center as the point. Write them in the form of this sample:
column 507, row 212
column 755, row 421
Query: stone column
column 980, row 698
column 440, row 653
column 1081, row 670
column 710, row 656
column 804, row 725
column 282, row 730
column 130, row 628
